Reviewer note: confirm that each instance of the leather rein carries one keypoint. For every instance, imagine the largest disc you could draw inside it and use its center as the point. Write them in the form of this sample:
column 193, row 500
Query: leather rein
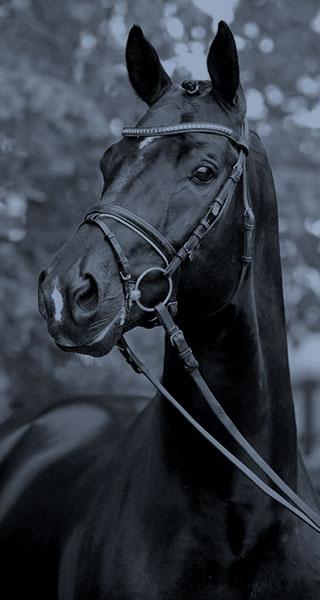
column 164, row 311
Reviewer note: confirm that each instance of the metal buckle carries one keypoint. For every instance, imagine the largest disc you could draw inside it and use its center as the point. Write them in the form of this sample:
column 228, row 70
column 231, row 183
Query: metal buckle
column 248, row 218
column 189, row 252
column 217, row 206
column 125, row 277
column 236, row 172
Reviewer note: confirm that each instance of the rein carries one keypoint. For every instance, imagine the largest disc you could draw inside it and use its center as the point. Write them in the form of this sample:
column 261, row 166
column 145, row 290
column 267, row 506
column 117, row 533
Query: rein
column 164, row 310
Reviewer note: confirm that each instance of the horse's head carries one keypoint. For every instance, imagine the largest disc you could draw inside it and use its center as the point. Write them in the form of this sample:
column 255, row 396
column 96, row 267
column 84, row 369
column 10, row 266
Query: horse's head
column 167, row 181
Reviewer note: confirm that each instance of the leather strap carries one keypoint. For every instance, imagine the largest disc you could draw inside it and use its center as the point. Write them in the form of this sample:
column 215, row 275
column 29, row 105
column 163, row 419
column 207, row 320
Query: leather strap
column 141, row 227
column 119, row 254
column 211, row 218
column 154, row 238
column 292, row 502
column 246, row 258
column 192, row 127
column 172, row 258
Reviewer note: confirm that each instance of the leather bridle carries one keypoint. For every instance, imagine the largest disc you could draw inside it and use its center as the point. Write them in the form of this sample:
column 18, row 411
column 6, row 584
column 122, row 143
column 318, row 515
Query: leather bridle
column 171, row 258
column 164, row 310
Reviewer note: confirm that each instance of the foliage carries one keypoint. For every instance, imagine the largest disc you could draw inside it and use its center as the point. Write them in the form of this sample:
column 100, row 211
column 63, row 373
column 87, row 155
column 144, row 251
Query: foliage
column 64, row 96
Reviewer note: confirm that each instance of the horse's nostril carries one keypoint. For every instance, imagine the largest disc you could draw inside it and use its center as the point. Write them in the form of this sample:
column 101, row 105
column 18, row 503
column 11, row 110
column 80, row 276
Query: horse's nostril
column 42, row 277
column 87, row 297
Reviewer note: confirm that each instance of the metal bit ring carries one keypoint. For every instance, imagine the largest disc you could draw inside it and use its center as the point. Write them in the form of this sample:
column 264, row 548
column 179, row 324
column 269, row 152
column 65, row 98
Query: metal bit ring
column 137, row 292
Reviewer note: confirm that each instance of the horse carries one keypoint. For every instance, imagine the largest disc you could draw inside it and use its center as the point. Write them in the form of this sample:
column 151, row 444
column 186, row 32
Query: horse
column 185, row 234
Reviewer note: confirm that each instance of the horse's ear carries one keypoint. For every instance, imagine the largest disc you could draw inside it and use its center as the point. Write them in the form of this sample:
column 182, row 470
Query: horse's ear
column 223, row 64
column 147, row 76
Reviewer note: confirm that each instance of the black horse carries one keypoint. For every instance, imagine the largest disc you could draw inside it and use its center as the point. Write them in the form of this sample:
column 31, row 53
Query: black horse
column 159, row 513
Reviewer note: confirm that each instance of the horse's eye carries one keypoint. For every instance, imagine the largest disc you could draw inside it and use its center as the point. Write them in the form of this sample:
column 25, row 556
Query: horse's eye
column 204, row 174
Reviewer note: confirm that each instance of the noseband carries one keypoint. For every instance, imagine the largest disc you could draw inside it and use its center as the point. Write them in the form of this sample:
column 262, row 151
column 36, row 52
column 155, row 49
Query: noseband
column 171, row 258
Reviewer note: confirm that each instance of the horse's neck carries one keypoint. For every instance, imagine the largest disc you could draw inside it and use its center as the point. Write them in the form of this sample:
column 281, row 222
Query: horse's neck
column 243, row 359
column 242, row 354
column 244, row 363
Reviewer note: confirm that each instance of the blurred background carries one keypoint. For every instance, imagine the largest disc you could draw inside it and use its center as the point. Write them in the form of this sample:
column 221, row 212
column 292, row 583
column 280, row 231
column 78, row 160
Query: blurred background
column 64, row 97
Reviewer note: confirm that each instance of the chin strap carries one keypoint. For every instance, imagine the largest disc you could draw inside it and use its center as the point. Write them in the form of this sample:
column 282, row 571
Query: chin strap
column 287, row 498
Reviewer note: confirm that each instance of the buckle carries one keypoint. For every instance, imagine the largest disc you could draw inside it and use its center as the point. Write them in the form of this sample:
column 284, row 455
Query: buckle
column 236, row 172
column 189, row 251
column 124, row 277
column 248, row 218
column 185, row 353
column 217, row 206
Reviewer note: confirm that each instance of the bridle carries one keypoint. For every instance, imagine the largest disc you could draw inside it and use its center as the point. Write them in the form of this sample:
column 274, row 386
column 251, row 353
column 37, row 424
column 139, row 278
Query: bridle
column 171, row 258
column 164, row 311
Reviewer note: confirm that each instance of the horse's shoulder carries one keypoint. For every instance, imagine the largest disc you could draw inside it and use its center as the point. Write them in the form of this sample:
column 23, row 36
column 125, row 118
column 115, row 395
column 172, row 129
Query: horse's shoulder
column 31, row 446
column 67, row 424
column 60, row 443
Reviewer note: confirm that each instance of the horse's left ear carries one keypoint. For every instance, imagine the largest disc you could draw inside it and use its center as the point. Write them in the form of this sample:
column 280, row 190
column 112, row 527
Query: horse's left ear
column 147, row 76
column 223, row 64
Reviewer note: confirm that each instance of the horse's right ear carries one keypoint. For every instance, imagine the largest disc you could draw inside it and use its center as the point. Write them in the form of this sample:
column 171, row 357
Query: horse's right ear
column 147, row 76
column 223, row 65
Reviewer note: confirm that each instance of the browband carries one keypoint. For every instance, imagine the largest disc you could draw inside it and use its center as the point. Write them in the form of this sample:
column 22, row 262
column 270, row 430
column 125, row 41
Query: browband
column 239, row 140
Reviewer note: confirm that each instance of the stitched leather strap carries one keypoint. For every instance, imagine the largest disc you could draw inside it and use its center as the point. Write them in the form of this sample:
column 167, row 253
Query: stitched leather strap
column 172, row 258
column 193, row 127
column 160, row 244
column 211, row 218
column 119, row 254
column 168, row 323
column 292, row 502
